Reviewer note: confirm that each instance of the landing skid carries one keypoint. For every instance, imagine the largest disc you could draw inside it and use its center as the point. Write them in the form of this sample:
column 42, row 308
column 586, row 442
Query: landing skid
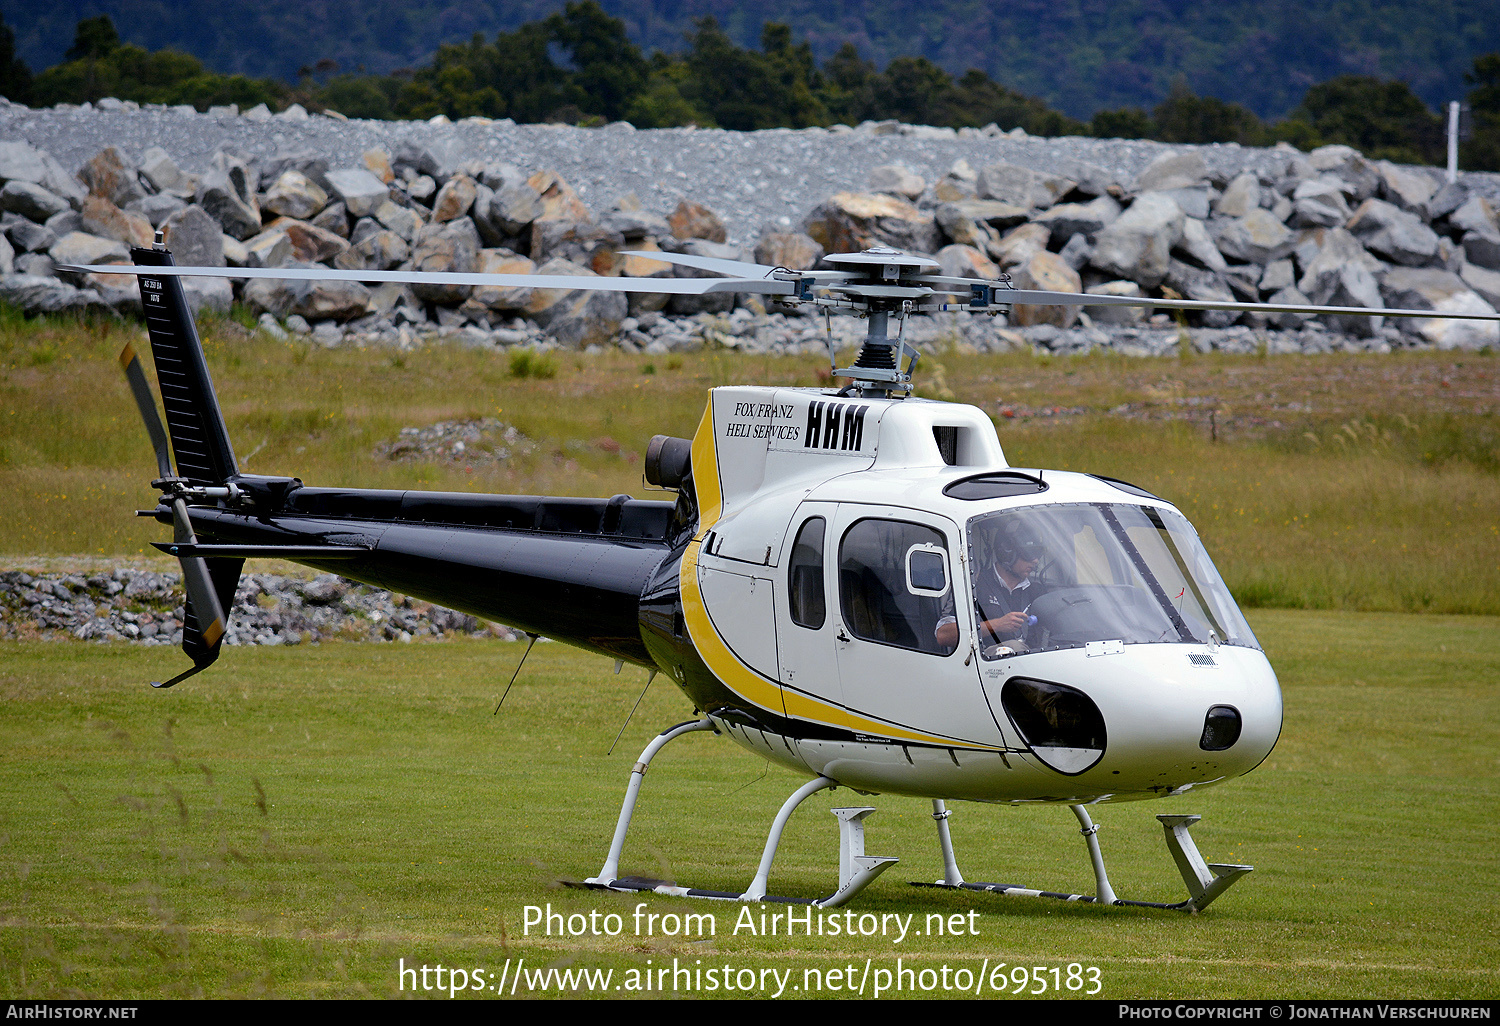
column 1205, row 881
column 856, row 869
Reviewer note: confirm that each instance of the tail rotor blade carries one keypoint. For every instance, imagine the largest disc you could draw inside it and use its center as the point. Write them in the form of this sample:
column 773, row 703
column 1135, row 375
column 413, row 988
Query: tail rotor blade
column 196, row 579
column 146, row 403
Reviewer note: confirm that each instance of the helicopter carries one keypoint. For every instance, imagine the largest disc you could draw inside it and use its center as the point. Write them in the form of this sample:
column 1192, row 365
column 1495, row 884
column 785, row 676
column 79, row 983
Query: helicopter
column 851, row 581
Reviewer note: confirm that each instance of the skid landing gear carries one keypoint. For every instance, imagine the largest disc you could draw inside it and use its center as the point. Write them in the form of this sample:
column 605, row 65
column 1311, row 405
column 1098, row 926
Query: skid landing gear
column 856, row 869
column 1205, row 881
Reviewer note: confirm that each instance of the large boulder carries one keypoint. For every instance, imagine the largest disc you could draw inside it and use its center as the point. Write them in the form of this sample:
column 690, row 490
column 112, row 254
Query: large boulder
column 1347, row 163
column 165, row 176
column 896, row 179
column 1138, row 244
column 194, row 238
column 1394, row 234
column 1408, row 188
column 37, row 294
column 454, row 199
column 849, row 222
column 792, row 250
column 295, row 195
column 111, row 175
column 1022, row 187
column 958, row 261
column 310, row 244
column 695, row 221
column 104, row 219
column 31, row 200
column 501, row 298
column 313, row 300
column 1112, row 314
column 576, row 317
column 20, row 161
column 1319, row 203
column 1429, row 288
column 359, row 190
column 559, row 200
column 227, row 193
column 452, row 247
column 377, row 251
column 1047, row 272
column 1087, row 219
column 1257, row 238
column 1240, row 196
column 1173, row 170
column 580, row 242
column 1338, row 276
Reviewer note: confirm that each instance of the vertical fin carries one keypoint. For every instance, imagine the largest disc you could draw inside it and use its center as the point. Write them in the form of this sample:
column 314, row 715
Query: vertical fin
column 194, row 421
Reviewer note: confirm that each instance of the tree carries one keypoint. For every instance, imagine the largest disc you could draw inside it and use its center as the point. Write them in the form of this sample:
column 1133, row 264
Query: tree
column 92, row 39
column 15, row 76
column 1482, row 151
column 1381, row 119
column 1185, row 118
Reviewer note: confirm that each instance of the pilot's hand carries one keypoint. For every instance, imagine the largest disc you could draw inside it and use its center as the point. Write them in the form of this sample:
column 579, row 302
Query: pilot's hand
column 1011, row 623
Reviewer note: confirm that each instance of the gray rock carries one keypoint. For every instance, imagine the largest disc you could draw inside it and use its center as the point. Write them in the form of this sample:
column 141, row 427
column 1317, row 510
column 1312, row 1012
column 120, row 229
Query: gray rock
column 65, row 222
column 1394, row 234
column 165, row 176
column 1483, row 248
column 1126, row 315
column 1077, row 252
column 1407, row 188
column 410, row 154
column 579, row 242
column 1483, row 281
column 1286, row 320
column 269, row 249
column 30, row 200
column 1362, row 177
column 1256, row 238
column 1138, row 244
column 1449, row 197
column 1205, row 286
column 295, row 195
column 81, row 248
column 1198, row 246
column 359, row 190
column 1087, row 219
column 194, row 238
column 28, row 236
column 453, row 247
column 37, row 264
column 158, row 207
column 897, row 179
column 1476, row 214
column 1319, row 203
column 1021, row 187
column 35, row 294
column 377, row 251
column 1279, row 274
column 1428, row 288
column 110, row 174
column 227, row 193
column 1241, row 196
column 1172, row 171
column 334, row 218
column 404, row 221
column 21, row 161
column 576, row 317
column 215, row 295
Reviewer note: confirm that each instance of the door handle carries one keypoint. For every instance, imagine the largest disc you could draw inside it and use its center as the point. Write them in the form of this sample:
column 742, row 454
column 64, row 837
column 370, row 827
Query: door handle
column 842, row 636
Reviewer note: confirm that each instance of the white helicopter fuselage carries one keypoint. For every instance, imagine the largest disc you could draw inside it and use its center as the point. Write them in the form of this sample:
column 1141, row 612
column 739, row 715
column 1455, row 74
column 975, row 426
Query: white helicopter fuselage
column 838, row 535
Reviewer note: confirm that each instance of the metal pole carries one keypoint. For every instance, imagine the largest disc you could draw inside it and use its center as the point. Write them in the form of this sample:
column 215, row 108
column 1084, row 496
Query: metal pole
column 1453, row 141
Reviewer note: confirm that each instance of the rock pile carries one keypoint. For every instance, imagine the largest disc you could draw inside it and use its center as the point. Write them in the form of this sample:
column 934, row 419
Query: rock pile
column 1327, row 228
column 146, row 607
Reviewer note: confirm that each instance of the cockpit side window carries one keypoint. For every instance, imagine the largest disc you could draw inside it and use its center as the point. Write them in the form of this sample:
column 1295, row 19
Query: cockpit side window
column 808, row 606
column 894, row 584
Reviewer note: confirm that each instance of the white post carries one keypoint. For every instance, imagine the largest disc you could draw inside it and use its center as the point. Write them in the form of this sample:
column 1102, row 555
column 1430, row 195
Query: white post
column 1453, row 141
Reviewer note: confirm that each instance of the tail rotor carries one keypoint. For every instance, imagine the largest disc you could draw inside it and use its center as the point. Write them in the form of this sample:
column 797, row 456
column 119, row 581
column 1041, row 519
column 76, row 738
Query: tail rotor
column 203, row 626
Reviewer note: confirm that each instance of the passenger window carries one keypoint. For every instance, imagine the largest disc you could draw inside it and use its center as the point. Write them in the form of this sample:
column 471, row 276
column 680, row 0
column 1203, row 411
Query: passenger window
column 894, row 585
column 805, row 576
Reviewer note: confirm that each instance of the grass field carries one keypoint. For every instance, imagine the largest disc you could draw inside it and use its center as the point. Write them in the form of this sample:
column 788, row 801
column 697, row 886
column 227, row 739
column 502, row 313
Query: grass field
column 297, row 821
column 1330, row 482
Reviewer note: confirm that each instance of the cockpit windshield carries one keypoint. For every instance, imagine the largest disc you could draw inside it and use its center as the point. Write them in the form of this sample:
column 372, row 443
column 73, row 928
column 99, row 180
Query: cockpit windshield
column 1050, row 577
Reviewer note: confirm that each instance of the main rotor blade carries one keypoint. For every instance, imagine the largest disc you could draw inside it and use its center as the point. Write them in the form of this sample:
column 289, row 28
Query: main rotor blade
column 732, row 268
column 196, row 580
column 146, row 403
column 1031, row 297
column 736, row 268
column 564, row 282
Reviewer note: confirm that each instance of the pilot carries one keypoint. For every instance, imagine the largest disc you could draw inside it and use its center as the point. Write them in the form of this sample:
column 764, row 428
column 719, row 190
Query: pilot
column 1004, row 590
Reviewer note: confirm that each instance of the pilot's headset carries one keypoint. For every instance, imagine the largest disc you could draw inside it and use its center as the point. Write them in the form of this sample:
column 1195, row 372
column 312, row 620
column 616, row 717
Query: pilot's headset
column 1012, row 540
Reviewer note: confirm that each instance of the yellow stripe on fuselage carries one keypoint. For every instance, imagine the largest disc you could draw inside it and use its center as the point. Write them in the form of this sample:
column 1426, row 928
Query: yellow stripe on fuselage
column 717, row 656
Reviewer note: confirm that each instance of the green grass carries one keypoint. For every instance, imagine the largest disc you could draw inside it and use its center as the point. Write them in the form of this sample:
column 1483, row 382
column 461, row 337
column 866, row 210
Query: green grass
column 1333, row 482
column 294, row 821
